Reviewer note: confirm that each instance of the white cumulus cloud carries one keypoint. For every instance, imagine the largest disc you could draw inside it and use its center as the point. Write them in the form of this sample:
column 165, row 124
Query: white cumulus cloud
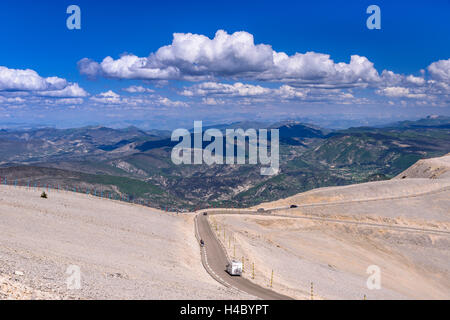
column 237, row 89
column 138, row 89
column 400, row 92
column 71, row 91
column 440, row 70
column 237, row 58
column 28, row 80
column 197, row 57
column 27, row 86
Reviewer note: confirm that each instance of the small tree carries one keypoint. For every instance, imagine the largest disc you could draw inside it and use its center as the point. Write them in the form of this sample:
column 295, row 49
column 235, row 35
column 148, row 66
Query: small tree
column 44, row 195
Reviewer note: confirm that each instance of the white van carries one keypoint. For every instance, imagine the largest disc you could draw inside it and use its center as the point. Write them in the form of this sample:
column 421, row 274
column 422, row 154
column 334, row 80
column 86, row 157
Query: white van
column 234, row 268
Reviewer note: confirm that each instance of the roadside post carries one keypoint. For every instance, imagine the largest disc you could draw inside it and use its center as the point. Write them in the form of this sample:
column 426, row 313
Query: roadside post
column 271, row 280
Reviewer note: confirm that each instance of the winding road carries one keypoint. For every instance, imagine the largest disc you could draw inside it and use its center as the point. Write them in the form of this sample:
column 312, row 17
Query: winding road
column 215, row 259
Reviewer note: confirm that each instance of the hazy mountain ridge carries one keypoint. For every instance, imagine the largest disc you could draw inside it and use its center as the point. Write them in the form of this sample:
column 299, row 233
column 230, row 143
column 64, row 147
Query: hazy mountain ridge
column 310, row 157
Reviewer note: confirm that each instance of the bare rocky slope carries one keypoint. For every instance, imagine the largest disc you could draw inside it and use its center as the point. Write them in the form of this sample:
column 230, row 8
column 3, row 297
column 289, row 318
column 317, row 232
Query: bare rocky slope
column 427, row 182
column 435, row 168
column 123, row 251
column 401, row 226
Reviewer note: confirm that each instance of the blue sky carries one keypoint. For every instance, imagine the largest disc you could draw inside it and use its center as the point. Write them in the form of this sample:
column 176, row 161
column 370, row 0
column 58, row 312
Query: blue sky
column 231, row 76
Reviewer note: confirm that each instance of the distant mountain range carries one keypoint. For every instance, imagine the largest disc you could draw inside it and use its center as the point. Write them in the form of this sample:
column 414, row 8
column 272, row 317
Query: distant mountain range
column 137, row 162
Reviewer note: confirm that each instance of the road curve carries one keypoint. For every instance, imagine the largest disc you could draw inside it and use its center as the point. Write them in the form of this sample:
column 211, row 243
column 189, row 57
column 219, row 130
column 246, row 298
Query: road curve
column 352, row 222
column 214, row 256
column 333, row 203
column 215, row 259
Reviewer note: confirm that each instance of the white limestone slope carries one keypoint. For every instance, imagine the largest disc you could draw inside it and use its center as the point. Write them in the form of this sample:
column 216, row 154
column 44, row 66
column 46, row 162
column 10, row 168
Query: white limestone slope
column 124, row 251
column 402, row 226
column 435, row 168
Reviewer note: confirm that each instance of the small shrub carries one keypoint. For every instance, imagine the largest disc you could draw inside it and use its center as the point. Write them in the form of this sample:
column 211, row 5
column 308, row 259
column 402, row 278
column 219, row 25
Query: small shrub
column 44, row 195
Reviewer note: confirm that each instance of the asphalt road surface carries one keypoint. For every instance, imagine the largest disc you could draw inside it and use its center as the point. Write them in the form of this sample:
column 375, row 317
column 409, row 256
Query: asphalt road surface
column 215, row 259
